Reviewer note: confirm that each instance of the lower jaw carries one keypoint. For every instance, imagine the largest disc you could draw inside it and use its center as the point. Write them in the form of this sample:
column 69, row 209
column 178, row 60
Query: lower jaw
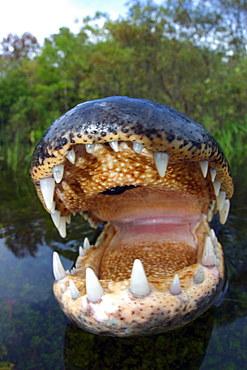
column 120, row 312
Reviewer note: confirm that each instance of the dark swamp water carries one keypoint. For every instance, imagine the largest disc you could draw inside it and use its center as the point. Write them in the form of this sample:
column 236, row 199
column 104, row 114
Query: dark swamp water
column 34, row 333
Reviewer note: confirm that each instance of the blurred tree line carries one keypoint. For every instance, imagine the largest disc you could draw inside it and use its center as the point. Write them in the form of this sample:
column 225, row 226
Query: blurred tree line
column 189, row 54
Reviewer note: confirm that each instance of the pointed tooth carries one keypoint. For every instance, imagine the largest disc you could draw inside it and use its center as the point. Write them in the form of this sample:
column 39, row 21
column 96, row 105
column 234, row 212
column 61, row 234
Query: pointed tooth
column 58, row 172
column 114, row 145
column 224, row 211
column 175, row 287
column 78, row 262
column 58, row 269
column 214, row 241
column 73, row 290
column 90, row 148
column 62, row 227
column 52, row 210
column 139, row 285
column 82, row 253
column 93, row 287
column 208, row 258
column 56, row 215
column 71, row 156
column 210, row 215
column 211, row 210
column 216, row 185
column 199, row 276
column 73, row 271
column 161, row 161
column 204, row 167
column 86, row 244
column 212, row 235
column 68, row 218
column 47, row 187
column 137, row 147
column 213, row 173
column 221, row 199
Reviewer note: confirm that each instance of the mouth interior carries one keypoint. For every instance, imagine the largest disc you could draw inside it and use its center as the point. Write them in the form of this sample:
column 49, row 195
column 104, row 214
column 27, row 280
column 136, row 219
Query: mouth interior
column 166, row 236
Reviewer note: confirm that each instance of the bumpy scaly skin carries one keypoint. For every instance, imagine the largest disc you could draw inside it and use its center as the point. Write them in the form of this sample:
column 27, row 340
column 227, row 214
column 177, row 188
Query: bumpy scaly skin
column 84, row 187
column 158, row 127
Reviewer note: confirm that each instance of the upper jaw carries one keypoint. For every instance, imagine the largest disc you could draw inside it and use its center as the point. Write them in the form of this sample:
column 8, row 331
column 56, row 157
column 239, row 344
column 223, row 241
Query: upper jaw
column 79, row 183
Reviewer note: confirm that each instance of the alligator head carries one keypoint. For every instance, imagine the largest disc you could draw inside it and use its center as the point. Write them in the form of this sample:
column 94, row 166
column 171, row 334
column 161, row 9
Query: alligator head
column 155, row 178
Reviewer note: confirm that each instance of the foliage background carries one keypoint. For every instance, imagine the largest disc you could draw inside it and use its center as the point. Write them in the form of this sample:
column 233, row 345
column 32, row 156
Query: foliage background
column 184, row 53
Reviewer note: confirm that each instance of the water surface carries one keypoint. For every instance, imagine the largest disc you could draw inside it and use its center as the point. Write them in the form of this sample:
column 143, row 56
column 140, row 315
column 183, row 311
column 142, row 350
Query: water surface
column 34, row 333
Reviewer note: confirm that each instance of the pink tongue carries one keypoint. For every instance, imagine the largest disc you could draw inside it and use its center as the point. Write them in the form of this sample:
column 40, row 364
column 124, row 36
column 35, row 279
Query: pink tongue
column 158, row 230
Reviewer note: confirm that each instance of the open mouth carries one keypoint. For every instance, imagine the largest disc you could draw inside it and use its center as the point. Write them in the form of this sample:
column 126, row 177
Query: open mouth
column 155, row 178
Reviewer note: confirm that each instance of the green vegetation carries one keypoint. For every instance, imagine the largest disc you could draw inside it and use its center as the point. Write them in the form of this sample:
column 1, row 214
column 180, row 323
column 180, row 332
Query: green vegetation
column 190, row 55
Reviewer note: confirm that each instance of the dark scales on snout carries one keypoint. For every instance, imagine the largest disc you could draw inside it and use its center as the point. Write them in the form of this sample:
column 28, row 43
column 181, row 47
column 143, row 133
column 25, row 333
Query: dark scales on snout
column 155, row 178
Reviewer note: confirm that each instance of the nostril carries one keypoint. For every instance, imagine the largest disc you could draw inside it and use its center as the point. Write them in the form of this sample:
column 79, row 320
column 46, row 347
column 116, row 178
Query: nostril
column 118, row 190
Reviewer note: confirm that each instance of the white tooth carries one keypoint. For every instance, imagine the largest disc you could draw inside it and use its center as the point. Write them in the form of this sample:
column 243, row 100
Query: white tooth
column 58, row 270
column 161, row 161
column 82, row 253
column 216, row 185
column 175, row 287
column 68, row 218
column 56, row 218
column 93, row 287
column 213, row 173
column 210, row 215
column 78, row 262
column 139, row 285
column 62, row 227
column 204, row 167
column 212, row 234
column 137, row 147
column 114, row 145
column 47, row 187
column 73, row 290
column 52, row 210
column 71, row 156
column 208, row 258
column 199, row 276
column 221, row 199
column 90, row 148
column 211, row 211
column 58, row 172
column 86, row 244
column 214, row 241
column 124, row 145
column 73, row 271
column 224, row 212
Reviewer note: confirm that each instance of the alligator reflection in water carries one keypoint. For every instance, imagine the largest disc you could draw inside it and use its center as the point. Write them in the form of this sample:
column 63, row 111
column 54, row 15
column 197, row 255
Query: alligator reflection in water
column 184, row 348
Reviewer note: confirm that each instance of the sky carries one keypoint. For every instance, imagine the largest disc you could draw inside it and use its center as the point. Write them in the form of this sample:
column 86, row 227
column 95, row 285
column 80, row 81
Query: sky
column 44, row 17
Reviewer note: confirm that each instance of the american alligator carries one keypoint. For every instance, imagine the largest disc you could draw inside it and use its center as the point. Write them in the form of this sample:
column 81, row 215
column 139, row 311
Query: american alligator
column 155, row 178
